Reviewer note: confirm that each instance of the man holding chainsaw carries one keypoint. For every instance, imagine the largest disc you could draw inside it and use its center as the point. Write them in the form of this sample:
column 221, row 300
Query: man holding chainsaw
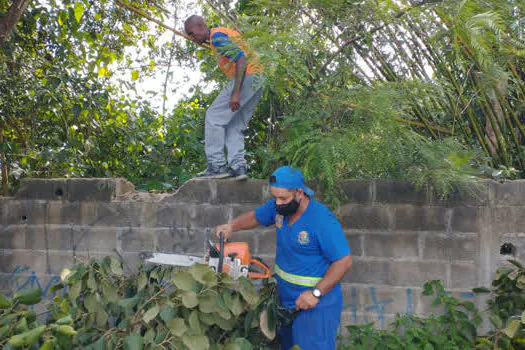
column 229, row 114
column 311, row 259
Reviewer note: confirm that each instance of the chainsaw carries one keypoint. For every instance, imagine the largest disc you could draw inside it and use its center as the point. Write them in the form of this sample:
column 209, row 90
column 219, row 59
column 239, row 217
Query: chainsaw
column 232, row 258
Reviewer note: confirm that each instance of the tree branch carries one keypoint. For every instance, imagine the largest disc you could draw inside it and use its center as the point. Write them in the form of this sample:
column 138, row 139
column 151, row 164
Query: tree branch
column 145, row 15
column 349, row 42
column 12, row 17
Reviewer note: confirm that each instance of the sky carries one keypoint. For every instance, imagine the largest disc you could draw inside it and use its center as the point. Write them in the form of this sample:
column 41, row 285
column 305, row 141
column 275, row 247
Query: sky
column 181, row 78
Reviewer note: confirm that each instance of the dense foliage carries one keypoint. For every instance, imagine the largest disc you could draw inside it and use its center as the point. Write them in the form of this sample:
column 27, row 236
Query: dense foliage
column 156, row 308
column 457, row 327
column 429, row 91
column 169, row 308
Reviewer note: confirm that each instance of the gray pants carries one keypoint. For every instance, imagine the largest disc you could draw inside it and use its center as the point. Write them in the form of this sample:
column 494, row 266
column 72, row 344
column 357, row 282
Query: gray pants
column 225, row 128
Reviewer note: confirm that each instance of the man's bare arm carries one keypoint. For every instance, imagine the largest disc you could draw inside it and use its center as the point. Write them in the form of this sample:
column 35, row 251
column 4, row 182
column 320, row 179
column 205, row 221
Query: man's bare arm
column 244, row 221
column 335, row 274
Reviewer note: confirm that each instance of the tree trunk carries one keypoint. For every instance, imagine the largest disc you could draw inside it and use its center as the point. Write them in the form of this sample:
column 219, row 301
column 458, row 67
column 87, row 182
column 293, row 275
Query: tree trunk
column 5, row 183
column 8, row 22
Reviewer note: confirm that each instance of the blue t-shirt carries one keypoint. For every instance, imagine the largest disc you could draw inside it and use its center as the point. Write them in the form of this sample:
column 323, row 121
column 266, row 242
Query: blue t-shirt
column 307, row 248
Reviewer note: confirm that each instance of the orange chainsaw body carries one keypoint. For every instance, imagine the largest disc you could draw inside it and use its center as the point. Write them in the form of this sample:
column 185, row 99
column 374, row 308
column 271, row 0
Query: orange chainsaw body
column 237, row 261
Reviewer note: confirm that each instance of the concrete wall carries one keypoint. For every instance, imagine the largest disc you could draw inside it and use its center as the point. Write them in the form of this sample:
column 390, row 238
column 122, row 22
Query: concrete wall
column 400, row 238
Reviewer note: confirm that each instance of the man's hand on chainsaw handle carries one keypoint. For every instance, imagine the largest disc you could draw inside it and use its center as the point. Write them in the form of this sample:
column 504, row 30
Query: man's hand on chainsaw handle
column 244, row 221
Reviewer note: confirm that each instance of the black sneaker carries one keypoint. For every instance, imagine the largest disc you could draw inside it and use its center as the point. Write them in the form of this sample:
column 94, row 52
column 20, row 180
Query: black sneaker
column 240, row 174
column 214, row 172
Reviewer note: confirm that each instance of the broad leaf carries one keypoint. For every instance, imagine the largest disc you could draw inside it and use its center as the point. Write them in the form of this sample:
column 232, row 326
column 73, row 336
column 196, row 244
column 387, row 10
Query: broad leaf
column 190, row 300
column 109, row 292
column 4, row 302
column 184, row 281
column 151, row 313
column 244, row 344
column 91, row 303
column 167, row 313
column 208, row 303
column 194, row 323
column 116, row 266
column 512, row 328
column 101, row 318
column 196, row 342
column 133, row 342
column 177, row 327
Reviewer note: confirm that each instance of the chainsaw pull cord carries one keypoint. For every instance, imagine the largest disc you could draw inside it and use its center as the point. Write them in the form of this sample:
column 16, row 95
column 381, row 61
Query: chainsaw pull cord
column 221, row 252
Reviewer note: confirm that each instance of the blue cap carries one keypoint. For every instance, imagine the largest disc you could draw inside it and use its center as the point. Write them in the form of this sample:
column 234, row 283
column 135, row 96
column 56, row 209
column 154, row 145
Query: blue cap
column 290, row 178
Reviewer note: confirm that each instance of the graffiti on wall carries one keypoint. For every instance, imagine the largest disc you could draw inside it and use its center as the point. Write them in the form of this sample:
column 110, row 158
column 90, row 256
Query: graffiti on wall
column 22, row 277
column 378, row 307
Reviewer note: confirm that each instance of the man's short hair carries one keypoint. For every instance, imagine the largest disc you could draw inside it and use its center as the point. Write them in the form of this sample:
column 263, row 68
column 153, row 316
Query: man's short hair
column 193, row 19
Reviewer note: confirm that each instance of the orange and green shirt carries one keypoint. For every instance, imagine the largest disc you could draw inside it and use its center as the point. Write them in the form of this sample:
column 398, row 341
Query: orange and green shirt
column 229, row 46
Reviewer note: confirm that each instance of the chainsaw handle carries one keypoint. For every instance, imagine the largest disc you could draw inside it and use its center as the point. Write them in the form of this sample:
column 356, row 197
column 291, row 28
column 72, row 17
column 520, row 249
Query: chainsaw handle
column 255, row 275
column 221, row 252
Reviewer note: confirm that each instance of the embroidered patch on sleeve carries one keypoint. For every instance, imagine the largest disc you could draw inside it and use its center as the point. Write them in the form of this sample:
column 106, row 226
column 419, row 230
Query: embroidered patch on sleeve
column 279, row 221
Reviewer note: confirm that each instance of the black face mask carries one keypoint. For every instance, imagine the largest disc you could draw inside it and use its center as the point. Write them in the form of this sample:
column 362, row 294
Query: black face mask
column 288, row 208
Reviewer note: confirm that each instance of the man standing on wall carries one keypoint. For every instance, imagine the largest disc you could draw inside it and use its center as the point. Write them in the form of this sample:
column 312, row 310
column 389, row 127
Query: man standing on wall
column 312, row 256
column 229, row 114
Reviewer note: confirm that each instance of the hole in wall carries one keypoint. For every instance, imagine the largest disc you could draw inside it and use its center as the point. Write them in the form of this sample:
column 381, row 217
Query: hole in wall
column 59, row 192
column 23, row 217
column 507, row 249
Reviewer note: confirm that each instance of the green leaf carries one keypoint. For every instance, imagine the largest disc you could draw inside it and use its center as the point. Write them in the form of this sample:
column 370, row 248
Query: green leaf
column 65, row 320
column 208, row 303
column 116, row 265
column 496, row 321
column 129, row 303
column 235, row 305
column 74, row 291
column 110, row 292
column 207, row 319
column 177, row 327
column 184, row 281
column 196, row 342
column 48, row 345
column 92, row 283
column 203, row 274
column 132, row 342
column 22, row 326
column 79, row 11
column 29, row 296
column 516, row 263
column 149, row 335
column 272, row 317
column 100, row 344
column 247, row 290
column 194, row 323
column 481, row 290
column 512, row 328
column 265, row 329
column 190, row 300
column 142, row 281
column 3, row 331
column 167, row 313
column 134, row 75
column 91, row 303
column 4, row 302
column 151, row 313
column 428, row 346
column 225, row 324
column 231, row 346
column 244, row 344
column 56, row 287
column 27, row 338
column 101, row 318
